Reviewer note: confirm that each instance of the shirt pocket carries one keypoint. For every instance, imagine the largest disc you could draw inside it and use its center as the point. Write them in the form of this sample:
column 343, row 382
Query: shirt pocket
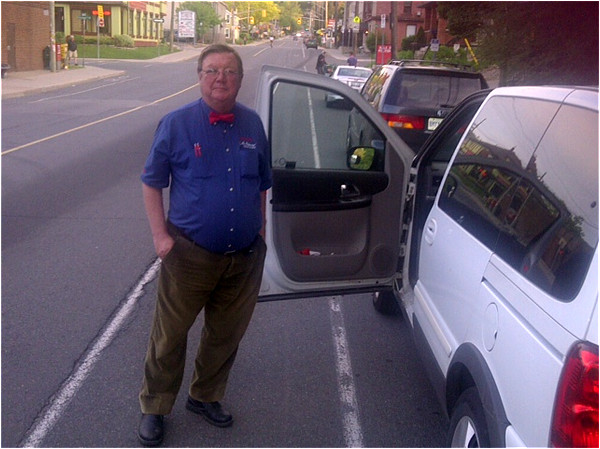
column 203, row 166
column 249, row 163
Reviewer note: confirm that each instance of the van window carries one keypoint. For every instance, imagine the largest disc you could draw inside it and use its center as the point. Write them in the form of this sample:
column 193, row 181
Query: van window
column 431, row 90
column 512, row 186
column 372, row 91
column 567, row 163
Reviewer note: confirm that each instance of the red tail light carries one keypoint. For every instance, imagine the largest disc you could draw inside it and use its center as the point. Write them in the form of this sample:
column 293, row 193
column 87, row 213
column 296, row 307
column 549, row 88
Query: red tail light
column 404, row 121
column 575, row 419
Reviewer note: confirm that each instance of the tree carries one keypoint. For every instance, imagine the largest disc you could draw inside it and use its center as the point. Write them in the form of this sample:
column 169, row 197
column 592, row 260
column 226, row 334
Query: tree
column 531, row 42
column 290, row 13
column 206, row 16
column 263, row 12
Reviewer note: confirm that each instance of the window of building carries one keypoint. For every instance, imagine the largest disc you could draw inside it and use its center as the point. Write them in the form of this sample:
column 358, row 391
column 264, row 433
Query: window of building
column 411, row 30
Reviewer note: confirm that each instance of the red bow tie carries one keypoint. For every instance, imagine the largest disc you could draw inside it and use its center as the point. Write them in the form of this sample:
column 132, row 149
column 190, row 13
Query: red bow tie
column 214, row 117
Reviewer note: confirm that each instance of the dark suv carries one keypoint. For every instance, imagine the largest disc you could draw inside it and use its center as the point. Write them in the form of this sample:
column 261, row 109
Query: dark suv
column 414, row 96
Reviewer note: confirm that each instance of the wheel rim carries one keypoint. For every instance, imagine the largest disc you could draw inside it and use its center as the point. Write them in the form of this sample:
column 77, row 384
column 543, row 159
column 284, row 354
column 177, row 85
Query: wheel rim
column 465, row 434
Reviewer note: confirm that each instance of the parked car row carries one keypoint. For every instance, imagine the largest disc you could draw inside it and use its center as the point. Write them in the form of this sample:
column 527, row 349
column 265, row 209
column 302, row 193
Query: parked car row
column 482, row 228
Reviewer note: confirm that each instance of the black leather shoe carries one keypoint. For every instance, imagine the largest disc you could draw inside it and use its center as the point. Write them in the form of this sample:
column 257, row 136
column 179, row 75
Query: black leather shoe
column 151, row 430
column 210, row 411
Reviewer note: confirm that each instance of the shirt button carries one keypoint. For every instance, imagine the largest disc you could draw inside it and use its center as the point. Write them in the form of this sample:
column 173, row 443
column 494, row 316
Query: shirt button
column 232, row 209
column 230, row 229
column 227, row 150
column 229, row 169
column 231, row 189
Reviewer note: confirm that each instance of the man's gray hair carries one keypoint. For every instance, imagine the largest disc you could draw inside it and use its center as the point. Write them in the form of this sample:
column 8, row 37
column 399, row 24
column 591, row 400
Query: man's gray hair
column 220, row 48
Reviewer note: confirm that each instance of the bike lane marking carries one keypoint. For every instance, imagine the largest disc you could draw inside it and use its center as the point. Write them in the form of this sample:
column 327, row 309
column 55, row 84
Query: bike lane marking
column 59, row 402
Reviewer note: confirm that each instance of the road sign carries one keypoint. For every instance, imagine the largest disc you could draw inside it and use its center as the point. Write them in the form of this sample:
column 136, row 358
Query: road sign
column 356, row 19
column 383, row 18
column 101, row 22
column 434, row 45
column 158, row 20
column 84, row 17
column 384, row 54
column 101, row 12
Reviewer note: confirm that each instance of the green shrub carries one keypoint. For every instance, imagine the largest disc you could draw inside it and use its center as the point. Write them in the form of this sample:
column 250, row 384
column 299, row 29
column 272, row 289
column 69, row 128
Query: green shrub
column 405, row 54
column 447, row 54
column 122, row 40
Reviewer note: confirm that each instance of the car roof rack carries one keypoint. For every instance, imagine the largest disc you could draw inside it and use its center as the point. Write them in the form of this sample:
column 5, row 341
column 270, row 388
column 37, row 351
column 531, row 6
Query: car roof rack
column 427, row 62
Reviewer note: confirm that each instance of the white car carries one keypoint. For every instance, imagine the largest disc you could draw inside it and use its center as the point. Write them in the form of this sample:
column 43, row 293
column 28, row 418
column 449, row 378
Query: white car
column 488, row 237
column 355, row 77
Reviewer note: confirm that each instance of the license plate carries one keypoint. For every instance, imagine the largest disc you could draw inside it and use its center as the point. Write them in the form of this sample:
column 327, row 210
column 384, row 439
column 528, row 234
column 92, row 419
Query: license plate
column 433, row 123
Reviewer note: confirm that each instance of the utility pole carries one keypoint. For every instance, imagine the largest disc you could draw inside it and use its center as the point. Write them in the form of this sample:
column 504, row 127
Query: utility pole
column 393, row 29
column 52, row 39
column 172, row 27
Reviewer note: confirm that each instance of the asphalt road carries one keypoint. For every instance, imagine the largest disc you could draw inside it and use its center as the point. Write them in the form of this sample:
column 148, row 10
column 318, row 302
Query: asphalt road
column 78, row 294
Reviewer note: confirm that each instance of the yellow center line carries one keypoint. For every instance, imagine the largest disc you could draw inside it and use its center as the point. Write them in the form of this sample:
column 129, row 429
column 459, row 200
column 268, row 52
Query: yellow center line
column 120, row 114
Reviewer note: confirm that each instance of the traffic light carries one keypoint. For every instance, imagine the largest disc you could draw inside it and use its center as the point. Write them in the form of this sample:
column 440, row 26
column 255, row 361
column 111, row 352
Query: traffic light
column 299, row 21
column 251, row 20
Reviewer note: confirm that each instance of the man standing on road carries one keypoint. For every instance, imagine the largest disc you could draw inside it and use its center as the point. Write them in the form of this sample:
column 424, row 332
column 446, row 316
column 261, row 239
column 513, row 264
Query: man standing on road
column 352, row 60
column 214, row 156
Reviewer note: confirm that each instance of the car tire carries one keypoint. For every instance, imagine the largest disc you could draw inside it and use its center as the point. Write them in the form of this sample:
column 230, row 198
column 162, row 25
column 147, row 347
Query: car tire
column 385, row 303
column 468, row 427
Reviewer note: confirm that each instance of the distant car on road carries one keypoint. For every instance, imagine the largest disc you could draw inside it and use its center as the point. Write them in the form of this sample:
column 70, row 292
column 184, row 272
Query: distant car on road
column 311, row 43
column 355, row 77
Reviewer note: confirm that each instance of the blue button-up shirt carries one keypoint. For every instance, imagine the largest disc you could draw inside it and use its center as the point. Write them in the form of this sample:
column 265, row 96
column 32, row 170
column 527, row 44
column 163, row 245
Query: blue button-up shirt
column 215, row 173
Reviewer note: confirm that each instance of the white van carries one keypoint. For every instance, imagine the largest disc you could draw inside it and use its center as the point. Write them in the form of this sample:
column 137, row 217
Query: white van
column 488, row 237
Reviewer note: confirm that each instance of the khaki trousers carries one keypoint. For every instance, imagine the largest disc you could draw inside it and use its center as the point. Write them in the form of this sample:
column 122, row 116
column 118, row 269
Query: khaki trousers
column 191, row 279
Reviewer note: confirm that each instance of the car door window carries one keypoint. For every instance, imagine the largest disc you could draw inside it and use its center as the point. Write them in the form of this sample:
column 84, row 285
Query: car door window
column 310, row 132
column 509, row 188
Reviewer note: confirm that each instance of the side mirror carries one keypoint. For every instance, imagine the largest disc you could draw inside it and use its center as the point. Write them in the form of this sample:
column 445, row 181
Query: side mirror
column 361, row 158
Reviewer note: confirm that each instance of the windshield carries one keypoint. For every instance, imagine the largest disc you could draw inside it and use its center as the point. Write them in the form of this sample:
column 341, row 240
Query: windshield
column 360, row 73
column 431, row 90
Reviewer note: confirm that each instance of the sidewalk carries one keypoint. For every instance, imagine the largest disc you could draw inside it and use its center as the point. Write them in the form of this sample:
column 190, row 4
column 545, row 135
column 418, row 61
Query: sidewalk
column 18, row 84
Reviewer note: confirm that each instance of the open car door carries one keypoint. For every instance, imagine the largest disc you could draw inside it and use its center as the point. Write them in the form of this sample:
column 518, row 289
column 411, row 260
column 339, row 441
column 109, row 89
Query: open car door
column 340, row 173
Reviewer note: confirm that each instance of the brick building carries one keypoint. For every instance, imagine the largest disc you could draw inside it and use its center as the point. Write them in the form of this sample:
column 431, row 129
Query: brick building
column 410, row 16
column 25, row 34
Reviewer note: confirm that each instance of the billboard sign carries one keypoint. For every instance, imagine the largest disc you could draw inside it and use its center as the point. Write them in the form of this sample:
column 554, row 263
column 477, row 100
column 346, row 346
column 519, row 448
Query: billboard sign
column 187, row 24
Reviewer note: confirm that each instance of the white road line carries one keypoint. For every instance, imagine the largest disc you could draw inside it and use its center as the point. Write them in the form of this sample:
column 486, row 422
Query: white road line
column 68, row 131
column 313, row 131
column 351, row 426
column 60, row 401
column 86, row 90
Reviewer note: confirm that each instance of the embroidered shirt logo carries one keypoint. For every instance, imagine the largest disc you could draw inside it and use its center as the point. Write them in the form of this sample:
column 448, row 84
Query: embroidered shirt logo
column 247, row 143
column 197, row 150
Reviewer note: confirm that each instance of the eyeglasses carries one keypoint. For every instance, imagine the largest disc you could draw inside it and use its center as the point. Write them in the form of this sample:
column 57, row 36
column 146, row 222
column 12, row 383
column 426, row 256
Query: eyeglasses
column 213, row 73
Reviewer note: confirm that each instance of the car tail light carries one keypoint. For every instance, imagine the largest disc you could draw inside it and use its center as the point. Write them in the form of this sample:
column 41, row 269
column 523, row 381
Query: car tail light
column 575, row 419
column 404, row 121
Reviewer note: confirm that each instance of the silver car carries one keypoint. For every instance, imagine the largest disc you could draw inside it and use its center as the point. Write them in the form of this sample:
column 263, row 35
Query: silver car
column 488, row 238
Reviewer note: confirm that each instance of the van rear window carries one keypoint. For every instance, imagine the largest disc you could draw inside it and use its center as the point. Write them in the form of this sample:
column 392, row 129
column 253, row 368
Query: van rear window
column 431, row 90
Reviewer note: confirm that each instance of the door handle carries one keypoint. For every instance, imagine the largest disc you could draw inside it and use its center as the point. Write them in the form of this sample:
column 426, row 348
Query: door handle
column 430, row 231
column 348, row 191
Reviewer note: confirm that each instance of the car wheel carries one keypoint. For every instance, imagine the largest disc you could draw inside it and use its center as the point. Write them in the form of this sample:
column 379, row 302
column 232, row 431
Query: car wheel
column 385, row 303
column 468, row 427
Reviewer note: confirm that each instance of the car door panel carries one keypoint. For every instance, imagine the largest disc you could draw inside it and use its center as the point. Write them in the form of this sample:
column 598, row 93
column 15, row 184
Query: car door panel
column 329, row 190
column 331, row 226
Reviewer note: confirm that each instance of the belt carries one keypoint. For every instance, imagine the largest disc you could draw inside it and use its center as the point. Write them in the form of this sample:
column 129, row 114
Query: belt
column 178, row 232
